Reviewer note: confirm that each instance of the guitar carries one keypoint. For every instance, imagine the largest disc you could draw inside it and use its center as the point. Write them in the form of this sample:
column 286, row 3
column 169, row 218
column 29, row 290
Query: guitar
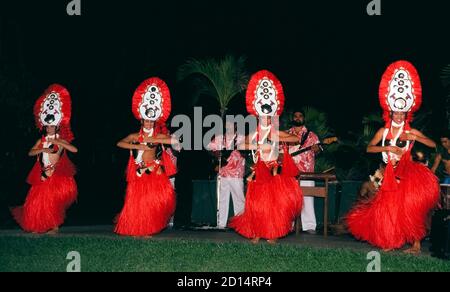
column 326, row 141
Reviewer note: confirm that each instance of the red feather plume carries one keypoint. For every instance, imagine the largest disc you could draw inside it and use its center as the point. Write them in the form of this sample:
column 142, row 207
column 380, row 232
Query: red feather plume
column 252, row 87
column 166, row 99
column 384, row 89
column 65, row 131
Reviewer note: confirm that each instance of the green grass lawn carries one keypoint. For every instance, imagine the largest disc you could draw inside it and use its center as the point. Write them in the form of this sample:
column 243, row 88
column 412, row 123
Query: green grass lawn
column 126, row 254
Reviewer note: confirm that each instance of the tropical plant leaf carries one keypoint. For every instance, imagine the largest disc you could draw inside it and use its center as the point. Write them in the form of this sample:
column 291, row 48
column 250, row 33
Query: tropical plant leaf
column 373, row 118
column 221, row 79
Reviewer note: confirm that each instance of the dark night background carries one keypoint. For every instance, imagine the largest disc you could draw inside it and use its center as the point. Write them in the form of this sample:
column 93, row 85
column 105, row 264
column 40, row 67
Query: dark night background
column 328, row 54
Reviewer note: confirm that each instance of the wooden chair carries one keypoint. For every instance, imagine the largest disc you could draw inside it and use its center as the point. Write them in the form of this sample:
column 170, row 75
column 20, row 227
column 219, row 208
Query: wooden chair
column 320, row 192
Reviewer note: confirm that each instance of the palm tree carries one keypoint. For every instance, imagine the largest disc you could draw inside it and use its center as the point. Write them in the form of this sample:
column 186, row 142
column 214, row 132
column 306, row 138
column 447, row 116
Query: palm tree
column 222, row 79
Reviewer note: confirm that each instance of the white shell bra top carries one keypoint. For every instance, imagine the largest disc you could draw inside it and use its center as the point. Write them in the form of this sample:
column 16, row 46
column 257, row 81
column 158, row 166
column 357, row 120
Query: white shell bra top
column 138, row 159
column 273, row 154
column 394, row 142
column 46, row 156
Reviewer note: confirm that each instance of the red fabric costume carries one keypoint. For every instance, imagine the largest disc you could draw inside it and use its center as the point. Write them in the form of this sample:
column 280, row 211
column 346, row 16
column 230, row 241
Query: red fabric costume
column 150, row 198
column 48, row 198
column 272, row 201
column 398, row 213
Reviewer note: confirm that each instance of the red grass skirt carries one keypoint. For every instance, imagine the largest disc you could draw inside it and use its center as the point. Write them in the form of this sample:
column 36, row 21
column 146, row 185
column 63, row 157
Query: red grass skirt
column 46, row 204
column 398, row 213
column 149, row 205
column 272, row 204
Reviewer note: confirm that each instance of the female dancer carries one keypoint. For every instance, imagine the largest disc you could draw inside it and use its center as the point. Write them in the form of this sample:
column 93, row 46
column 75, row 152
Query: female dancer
column 398, row 212
column 53, row 188
column 273, row 200
column 150, row 197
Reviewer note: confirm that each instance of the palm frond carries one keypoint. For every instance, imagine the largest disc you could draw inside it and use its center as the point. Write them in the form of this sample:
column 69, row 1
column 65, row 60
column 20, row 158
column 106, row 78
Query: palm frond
column 367, row 135
column 317, row 121
column 323, row 164
column 373, row 118
column 225, row 78
column 421, row 121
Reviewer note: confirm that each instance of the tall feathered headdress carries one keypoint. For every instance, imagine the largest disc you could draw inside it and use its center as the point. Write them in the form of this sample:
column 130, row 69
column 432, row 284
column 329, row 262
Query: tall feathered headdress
column 151, row 101
column 400, row 91
column 265, row 96
column 53, row 108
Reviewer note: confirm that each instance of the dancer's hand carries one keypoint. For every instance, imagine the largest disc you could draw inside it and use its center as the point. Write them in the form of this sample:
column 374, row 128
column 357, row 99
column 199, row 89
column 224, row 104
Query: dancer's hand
column 47, row 150
column 176, row 145
column 58, row 142
column 54, row 141
column 142, row 147
column 396, row 150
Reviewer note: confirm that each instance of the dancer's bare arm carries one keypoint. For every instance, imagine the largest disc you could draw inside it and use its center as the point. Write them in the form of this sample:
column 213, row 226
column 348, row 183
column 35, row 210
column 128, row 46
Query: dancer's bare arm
column 416, row 135
column 127, row 143
column 249, row 144
column 163, row 139
column 373, row 148
column 37, row 149
column 288, row 138
column 64, row 144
